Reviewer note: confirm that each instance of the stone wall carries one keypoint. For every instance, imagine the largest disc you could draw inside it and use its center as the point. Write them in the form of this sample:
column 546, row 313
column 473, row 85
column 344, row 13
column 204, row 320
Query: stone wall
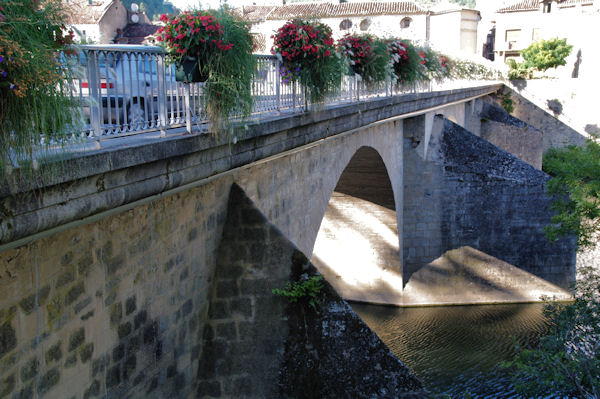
column 257, row 345
column 468, row 192
column 556, row 133
column 511, row 134
column 112, row 308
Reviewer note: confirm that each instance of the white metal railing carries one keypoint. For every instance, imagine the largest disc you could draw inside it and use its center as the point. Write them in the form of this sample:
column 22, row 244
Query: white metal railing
column 125, row 89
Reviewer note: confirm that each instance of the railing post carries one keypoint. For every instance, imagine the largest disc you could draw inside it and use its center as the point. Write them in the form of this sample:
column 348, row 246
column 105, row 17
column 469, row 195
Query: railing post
column 294, row 95
column 161, row 94
column 278, row 86
column 187, row 107
column 94, row 94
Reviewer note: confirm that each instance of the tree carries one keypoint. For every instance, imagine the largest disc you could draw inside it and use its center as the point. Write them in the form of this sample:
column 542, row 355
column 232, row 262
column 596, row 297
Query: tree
column 546, row 54
column 154, row 8
column 566, row 363
column 576, row 185
column 567, row 360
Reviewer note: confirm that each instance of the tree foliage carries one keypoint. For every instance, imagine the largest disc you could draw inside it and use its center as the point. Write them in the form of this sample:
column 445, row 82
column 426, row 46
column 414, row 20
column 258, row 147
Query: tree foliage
column 576, row 185
column 546, row 54
column 566, row 363
column 153, row 8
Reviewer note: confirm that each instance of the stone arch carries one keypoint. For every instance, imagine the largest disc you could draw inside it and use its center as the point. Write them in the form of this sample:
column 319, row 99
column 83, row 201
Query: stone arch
column 357, row 246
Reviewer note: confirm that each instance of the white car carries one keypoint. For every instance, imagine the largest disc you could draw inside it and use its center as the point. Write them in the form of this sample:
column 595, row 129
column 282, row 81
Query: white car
column 120, row 87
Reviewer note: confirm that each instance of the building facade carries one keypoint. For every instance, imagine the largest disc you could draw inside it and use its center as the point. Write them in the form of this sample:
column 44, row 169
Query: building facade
column 524, row 22
column 96, row 21
column 449, row 30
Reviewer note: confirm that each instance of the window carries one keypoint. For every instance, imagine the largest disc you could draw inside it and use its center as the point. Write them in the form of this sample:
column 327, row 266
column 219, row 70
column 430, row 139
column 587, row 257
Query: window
column 405, row 23
column 345, row 24
column 536, row 34
column 512, row 37
column 365, row 23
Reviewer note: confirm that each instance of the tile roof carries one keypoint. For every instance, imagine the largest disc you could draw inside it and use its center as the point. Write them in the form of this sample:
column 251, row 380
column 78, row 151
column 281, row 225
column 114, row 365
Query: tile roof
column 525, row 5
column 81, row 12
column 534, row 5
column 254, row 13
column 324, row 10
column 572, row 3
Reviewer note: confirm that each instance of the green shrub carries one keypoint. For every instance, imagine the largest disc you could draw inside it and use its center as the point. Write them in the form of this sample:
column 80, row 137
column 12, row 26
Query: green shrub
column 576, row 185
column 305, row 291
column 518, row 70
column 546, row 54
column 566, row 363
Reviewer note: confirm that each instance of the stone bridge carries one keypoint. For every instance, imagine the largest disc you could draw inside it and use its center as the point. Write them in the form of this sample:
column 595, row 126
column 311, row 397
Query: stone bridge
column 128, row 272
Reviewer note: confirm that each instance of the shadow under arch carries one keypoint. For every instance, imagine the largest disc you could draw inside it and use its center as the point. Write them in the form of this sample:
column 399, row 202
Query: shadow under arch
column 357, row 246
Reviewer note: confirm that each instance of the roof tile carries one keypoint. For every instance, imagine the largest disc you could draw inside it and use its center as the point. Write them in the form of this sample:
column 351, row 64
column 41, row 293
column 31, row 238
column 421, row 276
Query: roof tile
column 82, row 12
column 323, row 10
column 534, row 5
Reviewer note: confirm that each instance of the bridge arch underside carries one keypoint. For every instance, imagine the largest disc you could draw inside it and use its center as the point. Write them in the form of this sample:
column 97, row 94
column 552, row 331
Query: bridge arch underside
column 294, row 191
column 357, row 248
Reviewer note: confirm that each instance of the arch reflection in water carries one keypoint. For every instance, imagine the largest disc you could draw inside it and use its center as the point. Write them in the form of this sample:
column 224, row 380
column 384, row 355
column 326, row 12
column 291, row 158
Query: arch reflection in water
column 456, row 349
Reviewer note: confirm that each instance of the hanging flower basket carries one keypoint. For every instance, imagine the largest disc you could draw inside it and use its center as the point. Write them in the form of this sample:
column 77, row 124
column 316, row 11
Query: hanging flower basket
column 188, row 70
column 212, row 46
column 194, row 41
column 367, row 56
column 308, row 55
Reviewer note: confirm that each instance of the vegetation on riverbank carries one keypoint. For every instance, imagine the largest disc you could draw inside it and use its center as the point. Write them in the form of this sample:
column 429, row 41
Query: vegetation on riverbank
column 567, row 360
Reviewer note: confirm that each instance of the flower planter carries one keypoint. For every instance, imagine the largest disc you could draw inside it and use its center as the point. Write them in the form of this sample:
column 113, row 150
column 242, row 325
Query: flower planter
column 188, row 71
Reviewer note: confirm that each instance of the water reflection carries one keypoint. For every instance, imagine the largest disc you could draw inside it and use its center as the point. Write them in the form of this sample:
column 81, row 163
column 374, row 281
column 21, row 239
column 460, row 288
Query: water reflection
column 456, row 349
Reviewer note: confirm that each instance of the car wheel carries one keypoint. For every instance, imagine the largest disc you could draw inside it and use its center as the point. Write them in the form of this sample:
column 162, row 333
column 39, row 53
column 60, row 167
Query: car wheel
column 136, row 116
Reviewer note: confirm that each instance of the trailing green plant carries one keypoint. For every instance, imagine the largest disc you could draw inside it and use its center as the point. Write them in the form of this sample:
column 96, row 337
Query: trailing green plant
column 545, row 54
column 37, row 109
column 367, row 56
column 308, row 55
column 221, row 45
column 575, row 184
column 229, row 88
column 566, row 362
column 306, row 291
column 506, row 101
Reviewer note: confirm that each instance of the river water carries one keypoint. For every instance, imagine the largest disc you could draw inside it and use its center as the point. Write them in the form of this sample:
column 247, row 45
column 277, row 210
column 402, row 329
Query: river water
column 455, row 350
